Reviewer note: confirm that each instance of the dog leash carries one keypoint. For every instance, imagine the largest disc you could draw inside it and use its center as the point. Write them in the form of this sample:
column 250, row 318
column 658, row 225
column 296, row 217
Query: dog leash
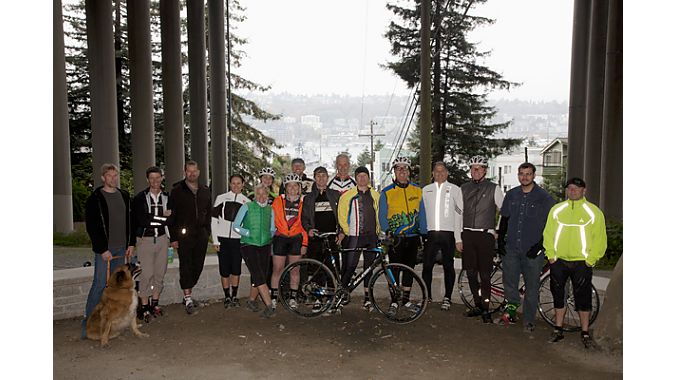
column 108, row 265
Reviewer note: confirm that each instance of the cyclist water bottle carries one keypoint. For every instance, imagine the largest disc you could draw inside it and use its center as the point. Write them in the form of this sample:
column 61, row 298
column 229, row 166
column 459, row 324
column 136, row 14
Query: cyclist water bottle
column 170, row 255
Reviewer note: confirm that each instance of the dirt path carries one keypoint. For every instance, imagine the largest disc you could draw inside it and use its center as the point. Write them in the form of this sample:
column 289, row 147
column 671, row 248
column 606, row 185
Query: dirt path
column 235, row 343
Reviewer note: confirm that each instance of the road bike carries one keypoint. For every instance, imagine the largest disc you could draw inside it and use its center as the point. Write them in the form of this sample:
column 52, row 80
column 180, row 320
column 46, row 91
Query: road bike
column 571, row 320
column 318, row 291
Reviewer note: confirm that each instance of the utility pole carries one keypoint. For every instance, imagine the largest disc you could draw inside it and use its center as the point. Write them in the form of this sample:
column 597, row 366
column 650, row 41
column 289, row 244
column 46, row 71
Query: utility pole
column 373, row 156
column 425, row 96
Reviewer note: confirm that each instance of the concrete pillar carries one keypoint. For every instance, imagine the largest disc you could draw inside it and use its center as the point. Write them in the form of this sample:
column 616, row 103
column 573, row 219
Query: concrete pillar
column 105, row 146
column 609, row 324
column 197, row 77
column 63, row 185
column 578, row 89
column 425, row 96
column 141, row 91
column 172, row 91
column 217, row 100
column 611, row 152
column 594, row 117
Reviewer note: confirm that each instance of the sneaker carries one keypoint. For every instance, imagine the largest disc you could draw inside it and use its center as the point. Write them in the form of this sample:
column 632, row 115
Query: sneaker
column 157, row 311
column 147, row 315
column 473, row 312
column 393, row 309
column 227, row 302
column 529, row 327
column 506, row 320
column 293, row 303
column 253, row 305
column 273, row 305
column 368, row 306
column 189, row 306
column 556, row 336
column 317, row 306
column 445, row 304
column 486, row 318
column 269, row 312
column 588, row 341
column 412, row 306
column 235, row 302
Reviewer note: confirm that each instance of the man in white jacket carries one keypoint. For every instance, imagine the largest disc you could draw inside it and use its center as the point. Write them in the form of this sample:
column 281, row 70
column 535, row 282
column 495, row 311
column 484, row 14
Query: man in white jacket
column 442, row 204
column 226, row 239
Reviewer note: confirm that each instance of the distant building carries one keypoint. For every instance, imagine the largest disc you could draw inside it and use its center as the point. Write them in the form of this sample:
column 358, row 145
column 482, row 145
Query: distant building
column 309, row 119
column 503, row 169
column 554, row 157
column 289, row 120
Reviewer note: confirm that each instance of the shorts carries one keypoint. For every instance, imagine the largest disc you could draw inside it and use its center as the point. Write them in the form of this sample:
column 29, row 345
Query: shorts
column 287, row 246
column 581, row 278
column 229, row 257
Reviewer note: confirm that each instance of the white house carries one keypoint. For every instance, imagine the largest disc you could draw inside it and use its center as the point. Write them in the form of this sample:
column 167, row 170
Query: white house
column 503, row 169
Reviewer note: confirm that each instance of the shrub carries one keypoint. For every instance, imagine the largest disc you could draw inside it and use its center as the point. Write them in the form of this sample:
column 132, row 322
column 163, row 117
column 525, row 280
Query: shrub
column 614, row 250
column 77, row 238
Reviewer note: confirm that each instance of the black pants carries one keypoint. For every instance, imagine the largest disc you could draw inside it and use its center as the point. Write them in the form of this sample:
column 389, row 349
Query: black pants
column 581, row 277
column 229, row 257
column 257, row 260
column 477, row 258
column 315, row 250
column 191, row 253
column 443, row 241
column 351, row 258
column 404, row 251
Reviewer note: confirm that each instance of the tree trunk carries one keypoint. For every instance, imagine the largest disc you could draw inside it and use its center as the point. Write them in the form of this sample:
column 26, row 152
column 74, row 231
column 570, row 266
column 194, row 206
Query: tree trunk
column 608, row 326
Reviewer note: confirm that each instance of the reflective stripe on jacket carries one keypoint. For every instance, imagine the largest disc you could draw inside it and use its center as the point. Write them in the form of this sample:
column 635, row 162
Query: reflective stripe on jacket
column 575, row 230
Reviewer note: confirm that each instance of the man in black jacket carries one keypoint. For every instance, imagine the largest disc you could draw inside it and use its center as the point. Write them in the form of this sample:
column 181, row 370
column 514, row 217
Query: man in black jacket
column 149, row 220
column 107, row 218
column 320, row 215
column 189, row 229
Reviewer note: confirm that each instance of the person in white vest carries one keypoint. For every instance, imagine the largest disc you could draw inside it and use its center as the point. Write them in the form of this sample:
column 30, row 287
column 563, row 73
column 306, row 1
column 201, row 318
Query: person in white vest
column 442, row 227
column 226, row 239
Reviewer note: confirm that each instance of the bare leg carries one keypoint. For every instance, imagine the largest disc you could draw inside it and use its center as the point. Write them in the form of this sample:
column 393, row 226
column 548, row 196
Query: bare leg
column 559, row 314
column 295, row 273
column 265, row 294
column 584, row 319
column 278, row 263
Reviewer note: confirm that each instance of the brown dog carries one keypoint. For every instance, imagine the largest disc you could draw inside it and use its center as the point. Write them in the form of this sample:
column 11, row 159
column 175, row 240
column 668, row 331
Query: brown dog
column 117, row 309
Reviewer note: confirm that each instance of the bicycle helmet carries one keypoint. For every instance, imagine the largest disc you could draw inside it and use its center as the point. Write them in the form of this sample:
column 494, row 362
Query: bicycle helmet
column 478, row 160
column 266, row 171
column 293, row 177
column 401, row 161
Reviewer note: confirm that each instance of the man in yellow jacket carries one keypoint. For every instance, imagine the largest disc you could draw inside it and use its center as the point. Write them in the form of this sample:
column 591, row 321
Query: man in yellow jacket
column 574, row 240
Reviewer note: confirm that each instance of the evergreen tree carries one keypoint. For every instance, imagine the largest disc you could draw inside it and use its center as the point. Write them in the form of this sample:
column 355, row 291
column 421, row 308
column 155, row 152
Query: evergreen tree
column 461, row 117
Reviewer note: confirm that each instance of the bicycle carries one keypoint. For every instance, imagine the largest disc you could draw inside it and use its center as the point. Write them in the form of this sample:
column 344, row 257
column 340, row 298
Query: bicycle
column 571, row 321
column 319, row 291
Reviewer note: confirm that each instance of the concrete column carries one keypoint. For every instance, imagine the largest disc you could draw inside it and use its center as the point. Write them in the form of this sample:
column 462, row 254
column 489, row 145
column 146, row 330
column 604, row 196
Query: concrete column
column 197, row 77
column 578, row 89
column 611, row 152
column 141, row 91
column 425, row 96
column 101, row 57
column 172, row 91
column 217, row 100
column 63, row 185
column 594, row 115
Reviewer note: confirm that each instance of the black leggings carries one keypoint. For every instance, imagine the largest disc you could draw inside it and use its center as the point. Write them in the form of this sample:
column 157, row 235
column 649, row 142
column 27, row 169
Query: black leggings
column 351, row 258
column 315, row 250
column 257, row 260
column 405, row 251
column 191, row 254
column 443, row 241
column 477, row 258
column 581, row 278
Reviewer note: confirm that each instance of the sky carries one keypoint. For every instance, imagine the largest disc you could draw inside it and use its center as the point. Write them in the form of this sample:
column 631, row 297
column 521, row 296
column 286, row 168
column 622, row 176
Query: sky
column 336, row 46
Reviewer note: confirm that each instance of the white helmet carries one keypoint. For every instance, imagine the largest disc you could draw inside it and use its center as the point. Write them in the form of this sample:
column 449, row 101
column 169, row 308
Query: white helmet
column 293, row 177
column 478, row 160
column 401, row 161
column 266, row 171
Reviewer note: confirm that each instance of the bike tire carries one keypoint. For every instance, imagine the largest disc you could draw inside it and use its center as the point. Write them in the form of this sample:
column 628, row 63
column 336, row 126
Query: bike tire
column 319, row 287
column 497, row 290
column 571, row 320
column 385, row 287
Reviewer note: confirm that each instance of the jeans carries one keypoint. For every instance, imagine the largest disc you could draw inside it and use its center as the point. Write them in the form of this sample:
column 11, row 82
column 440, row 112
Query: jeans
column 99, row 281
column 514, row 264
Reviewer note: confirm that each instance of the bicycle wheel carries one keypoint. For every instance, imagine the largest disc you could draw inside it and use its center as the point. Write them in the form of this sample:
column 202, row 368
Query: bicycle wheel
column 316, row 292
column 497, row 290
column 571, row 320
column 386, row 289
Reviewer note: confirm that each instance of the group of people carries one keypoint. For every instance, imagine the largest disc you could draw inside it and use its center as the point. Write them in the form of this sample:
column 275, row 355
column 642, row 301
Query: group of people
column 269, row 231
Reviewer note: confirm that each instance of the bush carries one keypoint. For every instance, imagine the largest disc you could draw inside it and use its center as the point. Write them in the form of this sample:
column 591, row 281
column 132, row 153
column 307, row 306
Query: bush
column 77, row 238
column 614, row 250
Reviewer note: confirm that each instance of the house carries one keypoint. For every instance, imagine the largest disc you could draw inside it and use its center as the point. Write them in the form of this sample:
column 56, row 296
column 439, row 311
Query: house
column 554, row 157
column 503, row 169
